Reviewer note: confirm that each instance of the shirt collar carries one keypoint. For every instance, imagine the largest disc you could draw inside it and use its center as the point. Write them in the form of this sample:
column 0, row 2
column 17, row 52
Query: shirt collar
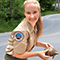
column 31, row 28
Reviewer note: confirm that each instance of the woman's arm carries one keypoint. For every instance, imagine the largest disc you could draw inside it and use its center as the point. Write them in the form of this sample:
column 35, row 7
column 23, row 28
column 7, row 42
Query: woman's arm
column 41, row 54
column 43, row 44
column 25, row 55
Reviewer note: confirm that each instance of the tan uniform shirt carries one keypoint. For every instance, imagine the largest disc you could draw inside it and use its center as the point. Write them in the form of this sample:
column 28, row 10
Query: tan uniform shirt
column 26, row 41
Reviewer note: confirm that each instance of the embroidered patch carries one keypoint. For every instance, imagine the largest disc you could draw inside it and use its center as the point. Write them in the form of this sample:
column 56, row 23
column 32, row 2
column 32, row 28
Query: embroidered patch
column 18, row 36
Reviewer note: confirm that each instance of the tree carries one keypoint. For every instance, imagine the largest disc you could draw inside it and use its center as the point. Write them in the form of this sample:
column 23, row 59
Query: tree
column 46, row 5
column 10, row 9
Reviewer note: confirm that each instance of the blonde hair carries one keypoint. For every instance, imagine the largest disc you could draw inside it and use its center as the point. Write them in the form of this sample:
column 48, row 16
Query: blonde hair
column 39, row 26
column 39, row 22
column 32, row 1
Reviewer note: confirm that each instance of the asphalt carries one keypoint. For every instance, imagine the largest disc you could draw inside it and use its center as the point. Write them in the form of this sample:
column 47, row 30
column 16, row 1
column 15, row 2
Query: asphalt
column 51, row 34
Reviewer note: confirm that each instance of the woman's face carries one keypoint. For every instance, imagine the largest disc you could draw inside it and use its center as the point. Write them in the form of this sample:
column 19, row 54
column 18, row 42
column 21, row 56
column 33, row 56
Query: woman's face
column 32, row 13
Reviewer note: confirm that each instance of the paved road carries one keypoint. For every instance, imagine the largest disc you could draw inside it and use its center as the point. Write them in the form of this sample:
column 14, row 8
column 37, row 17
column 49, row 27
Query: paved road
column 51, row 34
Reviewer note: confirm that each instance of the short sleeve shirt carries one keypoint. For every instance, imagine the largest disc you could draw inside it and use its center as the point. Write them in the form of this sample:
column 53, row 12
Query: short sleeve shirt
column 22, row 38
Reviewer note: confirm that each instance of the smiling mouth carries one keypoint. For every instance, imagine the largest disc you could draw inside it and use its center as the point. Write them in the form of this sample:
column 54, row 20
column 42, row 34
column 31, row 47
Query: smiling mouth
column 32, row 19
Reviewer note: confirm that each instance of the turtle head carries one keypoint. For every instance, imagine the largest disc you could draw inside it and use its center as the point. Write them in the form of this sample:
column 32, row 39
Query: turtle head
column 56, row 53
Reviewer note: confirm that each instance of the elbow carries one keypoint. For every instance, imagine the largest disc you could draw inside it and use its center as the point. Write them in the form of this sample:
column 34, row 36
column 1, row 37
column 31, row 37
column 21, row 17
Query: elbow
column 19, row 55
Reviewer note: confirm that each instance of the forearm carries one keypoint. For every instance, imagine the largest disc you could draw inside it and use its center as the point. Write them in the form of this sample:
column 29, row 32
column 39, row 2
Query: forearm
column 26, row 55
column 43, row 44
column 39, row 44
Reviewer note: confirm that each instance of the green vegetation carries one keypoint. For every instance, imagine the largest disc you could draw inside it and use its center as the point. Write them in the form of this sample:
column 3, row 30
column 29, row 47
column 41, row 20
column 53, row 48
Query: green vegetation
column 10, row 25
column 12, row 15
column 50, row 12
column 46, row 5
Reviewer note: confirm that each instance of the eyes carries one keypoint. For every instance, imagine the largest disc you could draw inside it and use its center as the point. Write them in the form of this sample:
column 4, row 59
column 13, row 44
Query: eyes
column 33, row 12
column 28, row 12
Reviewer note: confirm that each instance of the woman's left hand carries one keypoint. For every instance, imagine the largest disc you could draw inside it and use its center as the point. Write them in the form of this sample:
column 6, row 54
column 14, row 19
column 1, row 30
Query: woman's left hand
column 45, row 45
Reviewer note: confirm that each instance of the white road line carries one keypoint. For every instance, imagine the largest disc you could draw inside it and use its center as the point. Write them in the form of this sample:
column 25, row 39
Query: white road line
column 50, row 35
column 5, row 43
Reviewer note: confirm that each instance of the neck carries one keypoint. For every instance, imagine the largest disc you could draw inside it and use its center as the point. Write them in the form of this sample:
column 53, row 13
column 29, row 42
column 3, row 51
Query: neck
column 33, row 25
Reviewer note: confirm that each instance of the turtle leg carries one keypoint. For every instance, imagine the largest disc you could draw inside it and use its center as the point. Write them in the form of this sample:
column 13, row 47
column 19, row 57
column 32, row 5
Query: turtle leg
column 53, row 56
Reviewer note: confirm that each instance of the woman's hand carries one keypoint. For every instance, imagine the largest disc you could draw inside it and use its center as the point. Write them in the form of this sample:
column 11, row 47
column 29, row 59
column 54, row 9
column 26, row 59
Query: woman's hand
column 42, row 55
column 45, row 45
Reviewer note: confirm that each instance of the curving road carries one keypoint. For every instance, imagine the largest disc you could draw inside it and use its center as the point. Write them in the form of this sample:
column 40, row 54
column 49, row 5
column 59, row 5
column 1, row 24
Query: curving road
column 51, row 34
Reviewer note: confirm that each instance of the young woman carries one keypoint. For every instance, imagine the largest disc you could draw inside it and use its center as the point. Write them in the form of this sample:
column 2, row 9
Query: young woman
column 25, row 36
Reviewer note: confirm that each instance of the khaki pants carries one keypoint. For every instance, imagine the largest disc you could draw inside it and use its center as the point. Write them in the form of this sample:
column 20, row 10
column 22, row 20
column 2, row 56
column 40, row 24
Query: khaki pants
column 8, row 57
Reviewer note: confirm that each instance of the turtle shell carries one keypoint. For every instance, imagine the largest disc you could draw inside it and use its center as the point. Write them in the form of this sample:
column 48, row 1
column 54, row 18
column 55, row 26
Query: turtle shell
column 51, row 52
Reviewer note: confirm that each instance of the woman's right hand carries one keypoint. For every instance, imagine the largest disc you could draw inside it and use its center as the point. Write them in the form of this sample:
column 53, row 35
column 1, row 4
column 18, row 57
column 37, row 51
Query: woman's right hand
column 42, row 55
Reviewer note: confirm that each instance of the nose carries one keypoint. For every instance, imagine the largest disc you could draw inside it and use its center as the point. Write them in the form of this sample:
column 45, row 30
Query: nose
column 32, row 16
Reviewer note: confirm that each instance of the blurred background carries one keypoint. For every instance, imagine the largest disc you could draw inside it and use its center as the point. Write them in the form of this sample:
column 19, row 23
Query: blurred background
column 12, row 12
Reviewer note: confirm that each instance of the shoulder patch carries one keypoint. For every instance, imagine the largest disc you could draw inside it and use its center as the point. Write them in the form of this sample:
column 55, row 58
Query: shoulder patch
column 18, row 36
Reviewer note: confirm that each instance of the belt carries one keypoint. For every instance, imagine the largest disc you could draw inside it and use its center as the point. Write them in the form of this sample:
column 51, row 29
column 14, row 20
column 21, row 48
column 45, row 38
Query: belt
column 14, row 58
column 10, row 55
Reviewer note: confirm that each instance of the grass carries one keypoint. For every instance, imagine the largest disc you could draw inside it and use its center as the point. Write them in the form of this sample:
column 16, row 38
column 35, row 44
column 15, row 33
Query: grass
column 10, row 25
column 50, row 12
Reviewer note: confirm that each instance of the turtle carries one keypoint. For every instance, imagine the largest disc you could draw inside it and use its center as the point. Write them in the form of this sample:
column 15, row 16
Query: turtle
column 52, row 52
